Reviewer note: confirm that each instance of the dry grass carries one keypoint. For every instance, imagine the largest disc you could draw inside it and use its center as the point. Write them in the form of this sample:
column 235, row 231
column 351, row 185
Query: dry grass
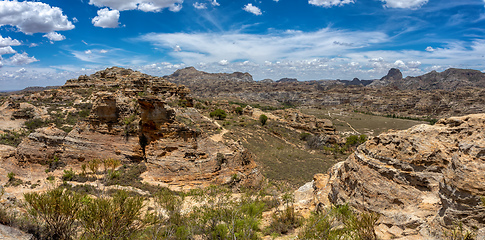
column 365, row 124
column 280, row 152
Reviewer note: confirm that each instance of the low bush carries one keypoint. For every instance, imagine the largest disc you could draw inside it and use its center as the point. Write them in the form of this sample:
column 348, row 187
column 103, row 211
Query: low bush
column 57, row 209
column 219, row 114
column 263, row 119
column 286, row 220
column 119, row 217
column 340, row 222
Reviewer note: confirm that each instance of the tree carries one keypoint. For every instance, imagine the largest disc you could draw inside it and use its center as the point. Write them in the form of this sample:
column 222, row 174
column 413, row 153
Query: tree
column 263, row 119
column 219, row 113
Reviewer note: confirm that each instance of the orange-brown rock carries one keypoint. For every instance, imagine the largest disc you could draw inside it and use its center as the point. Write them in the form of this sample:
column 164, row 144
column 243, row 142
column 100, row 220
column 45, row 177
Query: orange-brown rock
column 419, row 180
column 130, row 120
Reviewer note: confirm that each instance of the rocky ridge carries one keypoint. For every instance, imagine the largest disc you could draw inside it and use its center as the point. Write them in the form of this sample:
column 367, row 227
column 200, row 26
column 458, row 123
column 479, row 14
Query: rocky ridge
column 130, row 119
column 436, row 95
column 449, row 80
column 419, row 180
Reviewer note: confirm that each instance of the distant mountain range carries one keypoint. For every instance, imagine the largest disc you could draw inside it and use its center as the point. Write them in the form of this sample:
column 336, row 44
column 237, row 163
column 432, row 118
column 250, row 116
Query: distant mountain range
column 450, row 79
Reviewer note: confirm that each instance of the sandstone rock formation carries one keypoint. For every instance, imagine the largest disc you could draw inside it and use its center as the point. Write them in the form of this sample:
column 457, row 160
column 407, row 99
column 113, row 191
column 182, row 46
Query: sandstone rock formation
column 130, row 119
column 419, row 180
column 306, row 122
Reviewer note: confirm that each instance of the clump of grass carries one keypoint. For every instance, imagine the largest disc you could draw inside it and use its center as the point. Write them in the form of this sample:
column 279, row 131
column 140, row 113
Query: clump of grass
column 12, row 180
column 459, row 233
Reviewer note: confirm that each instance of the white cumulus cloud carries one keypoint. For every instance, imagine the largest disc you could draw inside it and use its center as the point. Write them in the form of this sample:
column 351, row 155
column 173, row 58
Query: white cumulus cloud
column 223, row 62
column 198, row 5
column 412, row 4
column 142, row 5
column 252, row 9
column 431, row 49
column 399, row 64
column 215, row 3
column 107, row 18
column 6, row 50
column 53, row 36
column 33, row 17
column 329, row 3
column 5, row 42
column 21, row 59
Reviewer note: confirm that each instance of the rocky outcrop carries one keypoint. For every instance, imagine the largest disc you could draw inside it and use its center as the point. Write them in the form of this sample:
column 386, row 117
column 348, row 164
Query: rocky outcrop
column 131, row 120
column 306, row 122
column 10, row 233
column 450, row 80
column 419, row 180
column 392, row 79
column 192, row 74
column 200, row 162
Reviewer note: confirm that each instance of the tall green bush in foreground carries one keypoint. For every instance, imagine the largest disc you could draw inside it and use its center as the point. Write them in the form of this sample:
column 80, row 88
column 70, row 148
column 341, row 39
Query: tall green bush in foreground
column 58, row 210
column 119, row 217
column 340, row 222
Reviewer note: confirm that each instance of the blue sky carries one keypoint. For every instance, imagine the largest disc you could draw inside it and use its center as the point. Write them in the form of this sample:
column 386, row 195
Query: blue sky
column 47, row 42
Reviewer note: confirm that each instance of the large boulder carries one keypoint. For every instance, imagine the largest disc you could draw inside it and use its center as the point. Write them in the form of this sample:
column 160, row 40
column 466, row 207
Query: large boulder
column 419, row 180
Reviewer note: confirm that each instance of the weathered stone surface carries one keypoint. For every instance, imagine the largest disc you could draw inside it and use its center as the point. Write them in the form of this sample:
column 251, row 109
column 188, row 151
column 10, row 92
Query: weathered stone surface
column 306, row 122
column 200, row 162
column 9, row 233
column 421, row 179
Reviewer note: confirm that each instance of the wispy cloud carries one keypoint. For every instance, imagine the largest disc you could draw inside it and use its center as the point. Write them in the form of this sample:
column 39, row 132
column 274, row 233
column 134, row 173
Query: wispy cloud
column 213, row 47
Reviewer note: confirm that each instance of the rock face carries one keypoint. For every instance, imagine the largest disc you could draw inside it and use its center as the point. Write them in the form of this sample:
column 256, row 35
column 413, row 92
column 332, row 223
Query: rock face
column 309, row 123
column 419, row 180
column 131, row 120
column 392, row 79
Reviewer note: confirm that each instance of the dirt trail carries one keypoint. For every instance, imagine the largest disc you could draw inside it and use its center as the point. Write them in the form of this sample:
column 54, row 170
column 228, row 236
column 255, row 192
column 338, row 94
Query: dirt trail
column 353, row 129
column 217, row 137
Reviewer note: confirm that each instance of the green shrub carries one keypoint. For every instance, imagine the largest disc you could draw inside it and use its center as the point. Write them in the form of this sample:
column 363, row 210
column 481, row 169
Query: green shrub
column 340, row 222
column 35, row 123
column 12, row 180
column 11, row 176
column 263, row 119
column 219, row 114
column 355, row 140
column 286, row 220
column 68, row 175
column 304, row 136
column 57, row 209
column 459, row 233
column 12, row 138
column 119, row 217
column 93, row 165
column 238, row 110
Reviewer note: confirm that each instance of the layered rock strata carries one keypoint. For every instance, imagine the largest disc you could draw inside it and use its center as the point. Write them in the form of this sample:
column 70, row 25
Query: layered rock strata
column 420, row 180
